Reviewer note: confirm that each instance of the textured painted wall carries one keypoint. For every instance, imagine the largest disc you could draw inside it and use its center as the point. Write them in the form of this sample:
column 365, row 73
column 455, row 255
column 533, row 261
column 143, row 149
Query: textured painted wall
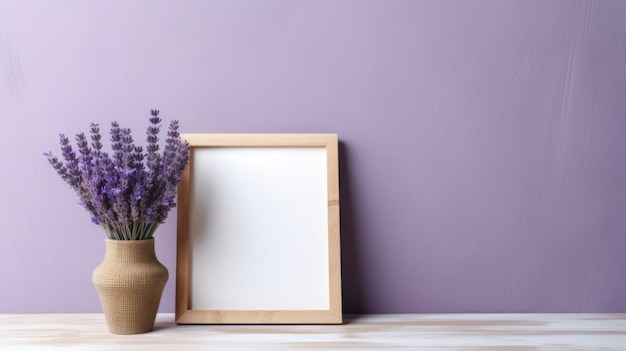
column 482, row 157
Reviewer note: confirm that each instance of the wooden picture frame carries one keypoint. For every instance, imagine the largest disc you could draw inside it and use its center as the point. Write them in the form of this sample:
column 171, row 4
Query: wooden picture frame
column 258, row 230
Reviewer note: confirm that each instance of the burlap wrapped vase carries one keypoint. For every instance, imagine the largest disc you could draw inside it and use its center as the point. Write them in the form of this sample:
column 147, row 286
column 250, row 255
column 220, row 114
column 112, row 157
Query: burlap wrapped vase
column 130, row 281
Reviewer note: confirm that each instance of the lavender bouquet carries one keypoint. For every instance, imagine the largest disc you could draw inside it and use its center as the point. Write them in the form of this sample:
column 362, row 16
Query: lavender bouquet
column 131, row 192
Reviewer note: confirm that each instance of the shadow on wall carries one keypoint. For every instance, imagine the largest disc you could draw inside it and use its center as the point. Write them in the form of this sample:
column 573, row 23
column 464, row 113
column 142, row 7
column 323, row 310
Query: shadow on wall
column 351, row 275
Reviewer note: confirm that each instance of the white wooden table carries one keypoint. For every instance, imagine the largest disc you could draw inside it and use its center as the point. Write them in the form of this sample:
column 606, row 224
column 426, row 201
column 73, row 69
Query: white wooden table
column 491, row 332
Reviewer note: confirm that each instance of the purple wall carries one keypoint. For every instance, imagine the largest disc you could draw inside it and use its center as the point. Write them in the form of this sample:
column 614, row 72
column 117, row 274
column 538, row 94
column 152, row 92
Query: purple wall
column 483, row 152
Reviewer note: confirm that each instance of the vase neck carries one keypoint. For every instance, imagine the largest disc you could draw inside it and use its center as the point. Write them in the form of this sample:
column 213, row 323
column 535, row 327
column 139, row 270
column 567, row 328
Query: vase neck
column 129, row 251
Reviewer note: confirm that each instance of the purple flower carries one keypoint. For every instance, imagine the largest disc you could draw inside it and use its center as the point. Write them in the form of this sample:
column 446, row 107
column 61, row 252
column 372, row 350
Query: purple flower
column 131, row 192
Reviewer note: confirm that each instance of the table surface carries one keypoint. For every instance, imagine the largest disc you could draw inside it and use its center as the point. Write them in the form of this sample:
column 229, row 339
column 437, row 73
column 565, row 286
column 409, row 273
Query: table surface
column 491, row 332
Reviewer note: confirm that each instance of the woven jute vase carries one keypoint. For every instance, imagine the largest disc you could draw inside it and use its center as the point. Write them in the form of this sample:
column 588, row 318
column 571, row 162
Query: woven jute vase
column 130, row 281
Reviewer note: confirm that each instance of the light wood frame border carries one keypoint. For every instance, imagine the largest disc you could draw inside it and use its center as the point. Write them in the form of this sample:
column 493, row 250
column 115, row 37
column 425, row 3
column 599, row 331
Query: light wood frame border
column 184, row 314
